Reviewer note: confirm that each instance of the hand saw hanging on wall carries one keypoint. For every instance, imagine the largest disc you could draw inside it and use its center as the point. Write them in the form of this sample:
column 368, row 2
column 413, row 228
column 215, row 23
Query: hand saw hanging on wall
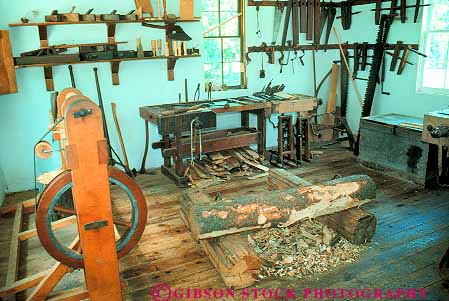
column 278, row 12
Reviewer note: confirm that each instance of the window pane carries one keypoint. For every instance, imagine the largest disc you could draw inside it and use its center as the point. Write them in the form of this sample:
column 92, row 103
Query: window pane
column 210, row 5
column 231, row 28
column 212, row 50
column 436, row 63
column 210, row 20
column 231, row 73
column 440, row 16
column 212, row 73
column 229, row 5
column 231, row 50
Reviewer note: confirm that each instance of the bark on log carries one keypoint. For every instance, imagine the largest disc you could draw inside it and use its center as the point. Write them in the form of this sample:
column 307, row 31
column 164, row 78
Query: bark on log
column 277, row 208
column 357, row 225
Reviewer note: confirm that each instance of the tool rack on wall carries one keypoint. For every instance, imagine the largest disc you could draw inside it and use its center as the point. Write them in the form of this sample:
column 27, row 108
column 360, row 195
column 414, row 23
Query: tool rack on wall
column 115, row 63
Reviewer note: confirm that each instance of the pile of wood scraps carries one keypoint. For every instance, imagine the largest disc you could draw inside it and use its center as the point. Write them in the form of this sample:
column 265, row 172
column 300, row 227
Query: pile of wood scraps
column 221, row 166
column 303, row 250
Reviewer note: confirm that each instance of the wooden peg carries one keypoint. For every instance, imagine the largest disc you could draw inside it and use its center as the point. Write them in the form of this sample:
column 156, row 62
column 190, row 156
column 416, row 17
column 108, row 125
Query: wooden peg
column 159, row 47
column 140, row 53
column 159, row 14
column 175, row 48
column 153, row 47
column 184, row 48
column 164, row 2
column 179, row 48
column 167, row 51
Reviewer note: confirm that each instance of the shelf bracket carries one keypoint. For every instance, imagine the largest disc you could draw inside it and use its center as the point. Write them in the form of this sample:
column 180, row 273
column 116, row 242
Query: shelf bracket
column 115, row 66
column 111, row 32
column 171, row 62
column 43, row 35
column 48, row 73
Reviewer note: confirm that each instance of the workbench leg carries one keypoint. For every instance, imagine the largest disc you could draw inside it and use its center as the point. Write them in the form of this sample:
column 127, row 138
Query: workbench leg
column 280, row 142
column 147, row 145
column 245, row 119
column 307, row 138
column 262, row 128
column 167, row 160
column 445, row 166
column 299, row 138
column 179, row 165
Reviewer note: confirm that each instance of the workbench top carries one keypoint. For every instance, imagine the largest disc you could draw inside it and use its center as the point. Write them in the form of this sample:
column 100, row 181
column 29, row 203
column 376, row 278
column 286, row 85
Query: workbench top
column 295, row 103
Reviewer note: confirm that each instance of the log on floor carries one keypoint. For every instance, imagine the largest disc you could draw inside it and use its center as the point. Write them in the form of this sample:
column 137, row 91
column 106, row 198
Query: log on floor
column 357, row 225
column 208, row 218
column 233, row 257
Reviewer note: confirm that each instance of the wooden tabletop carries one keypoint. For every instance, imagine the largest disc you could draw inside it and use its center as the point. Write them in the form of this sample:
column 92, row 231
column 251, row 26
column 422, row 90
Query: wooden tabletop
column 298, row 103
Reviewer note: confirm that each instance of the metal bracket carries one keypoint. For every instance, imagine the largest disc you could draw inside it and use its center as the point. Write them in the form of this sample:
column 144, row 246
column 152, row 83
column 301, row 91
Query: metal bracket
column 82, row 113
column 95, row 225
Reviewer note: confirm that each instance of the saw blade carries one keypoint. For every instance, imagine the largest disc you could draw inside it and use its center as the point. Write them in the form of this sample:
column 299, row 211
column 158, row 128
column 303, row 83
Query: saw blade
column 344, row 86
column 278, row 12
column 382, row 35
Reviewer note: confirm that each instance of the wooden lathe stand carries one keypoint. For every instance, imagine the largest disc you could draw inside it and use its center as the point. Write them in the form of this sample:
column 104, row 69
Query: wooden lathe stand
column 98, row 245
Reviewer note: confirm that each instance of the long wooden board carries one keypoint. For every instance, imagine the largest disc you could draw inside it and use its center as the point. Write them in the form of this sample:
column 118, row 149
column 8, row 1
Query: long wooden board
column 14, row 251
column 186, row 9
column 146, row 6
column 8, row 82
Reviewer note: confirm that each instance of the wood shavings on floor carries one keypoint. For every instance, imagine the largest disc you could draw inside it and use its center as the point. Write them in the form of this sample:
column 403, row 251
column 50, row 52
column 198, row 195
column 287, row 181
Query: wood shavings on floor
column 303, row 250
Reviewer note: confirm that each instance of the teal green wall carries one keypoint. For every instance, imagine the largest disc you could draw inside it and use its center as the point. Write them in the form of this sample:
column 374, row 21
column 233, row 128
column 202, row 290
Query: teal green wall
column 25, row 114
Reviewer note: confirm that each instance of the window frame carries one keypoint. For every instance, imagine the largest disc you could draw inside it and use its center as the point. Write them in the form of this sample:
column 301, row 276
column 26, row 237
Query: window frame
column 242, row 36
column 425, row 32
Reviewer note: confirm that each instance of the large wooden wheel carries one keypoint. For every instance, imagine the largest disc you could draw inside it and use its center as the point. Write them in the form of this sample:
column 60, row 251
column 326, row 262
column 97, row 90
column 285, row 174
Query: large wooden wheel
column 48, row 205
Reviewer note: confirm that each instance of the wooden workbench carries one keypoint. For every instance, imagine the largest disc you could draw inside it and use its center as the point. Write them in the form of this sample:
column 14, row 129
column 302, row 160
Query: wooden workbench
column 175, row 128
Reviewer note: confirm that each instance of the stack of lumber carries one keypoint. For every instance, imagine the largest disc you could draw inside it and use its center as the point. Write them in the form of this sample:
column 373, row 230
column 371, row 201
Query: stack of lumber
column 224, row 165
column 220, row 223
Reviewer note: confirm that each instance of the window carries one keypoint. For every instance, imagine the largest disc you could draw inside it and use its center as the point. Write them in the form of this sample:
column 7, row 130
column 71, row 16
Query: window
column 433, row 75
column 224, row 46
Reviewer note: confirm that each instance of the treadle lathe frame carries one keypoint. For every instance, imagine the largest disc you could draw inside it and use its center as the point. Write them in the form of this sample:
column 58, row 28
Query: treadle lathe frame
column 87, row 173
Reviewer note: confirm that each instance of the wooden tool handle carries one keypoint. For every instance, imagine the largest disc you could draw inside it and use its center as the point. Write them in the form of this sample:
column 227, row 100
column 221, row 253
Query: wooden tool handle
column 119, row 132
column 183, row 110
column 164, row 3
column 153, row 47
column 159, row 8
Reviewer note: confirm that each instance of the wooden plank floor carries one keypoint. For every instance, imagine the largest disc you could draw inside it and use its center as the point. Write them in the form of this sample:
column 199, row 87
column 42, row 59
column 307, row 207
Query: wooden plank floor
column 412, row 235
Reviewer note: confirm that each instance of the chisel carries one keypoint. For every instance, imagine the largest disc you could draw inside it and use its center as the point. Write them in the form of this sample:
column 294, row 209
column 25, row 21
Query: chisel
column 310, row 6
column 295, row 20
column 303, row 20
column 72, row 77
column 317, row 24
column 397, row 51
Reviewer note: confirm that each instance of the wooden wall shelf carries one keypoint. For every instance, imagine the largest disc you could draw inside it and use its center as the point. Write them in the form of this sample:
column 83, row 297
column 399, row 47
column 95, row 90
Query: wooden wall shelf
column 43, row 31
column 115, row 63
column 155, row 20
column 115, row 66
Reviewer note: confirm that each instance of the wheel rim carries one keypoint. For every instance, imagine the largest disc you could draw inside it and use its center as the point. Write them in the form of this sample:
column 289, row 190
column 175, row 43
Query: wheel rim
column 61, row 184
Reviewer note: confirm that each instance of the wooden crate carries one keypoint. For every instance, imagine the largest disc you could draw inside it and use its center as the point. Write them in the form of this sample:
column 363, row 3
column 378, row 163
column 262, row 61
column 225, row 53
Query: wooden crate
column 388, row 144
